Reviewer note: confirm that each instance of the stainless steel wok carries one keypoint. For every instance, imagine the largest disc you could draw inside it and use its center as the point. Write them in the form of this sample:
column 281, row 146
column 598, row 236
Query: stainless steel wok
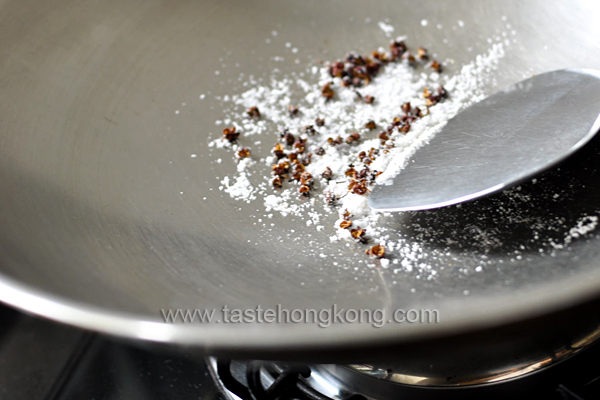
column 96, row 233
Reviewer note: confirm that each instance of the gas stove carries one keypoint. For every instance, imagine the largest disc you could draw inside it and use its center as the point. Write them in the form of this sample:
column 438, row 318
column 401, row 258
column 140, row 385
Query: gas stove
column 43, row 360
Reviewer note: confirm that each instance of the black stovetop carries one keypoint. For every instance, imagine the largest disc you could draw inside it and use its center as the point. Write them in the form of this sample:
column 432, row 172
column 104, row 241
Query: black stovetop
column 42, row 360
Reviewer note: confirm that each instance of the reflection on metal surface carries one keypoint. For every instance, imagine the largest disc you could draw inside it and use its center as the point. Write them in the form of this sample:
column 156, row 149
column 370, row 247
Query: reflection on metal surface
column 484, row 377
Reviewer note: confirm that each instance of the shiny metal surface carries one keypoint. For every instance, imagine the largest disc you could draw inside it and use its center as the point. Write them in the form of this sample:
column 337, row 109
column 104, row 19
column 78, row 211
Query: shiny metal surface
column 499, row 142
column 96, row 233
column 467, row 372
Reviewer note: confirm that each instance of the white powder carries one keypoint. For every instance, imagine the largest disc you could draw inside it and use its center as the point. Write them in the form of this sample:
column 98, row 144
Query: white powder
column 396, row 84
column 386, row 28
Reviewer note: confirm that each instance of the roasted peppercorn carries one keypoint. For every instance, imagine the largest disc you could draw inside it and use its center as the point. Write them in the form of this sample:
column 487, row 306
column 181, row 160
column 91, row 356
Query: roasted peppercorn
column 230, row 134
column 353, row 138
column 327, row 91
column 376, row 251
column 345, row 224
column 327, row 174
column 244, row 152
column 253, row 112
column 278, row 151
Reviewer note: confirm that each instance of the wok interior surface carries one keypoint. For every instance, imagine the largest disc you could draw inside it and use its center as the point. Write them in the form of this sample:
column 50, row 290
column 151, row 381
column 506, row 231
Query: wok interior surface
column 106, row 215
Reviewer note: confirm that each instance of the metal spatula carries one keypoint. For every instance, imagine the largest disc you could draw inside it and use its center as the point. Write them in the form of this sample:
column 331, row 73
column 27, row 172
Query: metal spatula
column 499, row 142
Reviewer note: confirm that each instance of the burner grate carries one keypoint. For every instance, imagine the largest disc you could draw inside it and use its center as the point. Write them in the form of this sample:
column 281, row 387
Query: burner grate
column 287, row 382
column 262, row 380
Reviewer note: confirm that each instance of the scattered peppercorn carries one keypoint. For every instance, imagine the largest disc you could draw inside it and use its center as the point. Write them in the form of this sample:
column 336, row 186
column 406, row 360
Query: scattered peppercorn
column 309, row 130
column 278, row 151
column 397, row 49
column 376, row 251
column 345, row 224
column 433, row 99
column 359, row 234
column 304, row 190
column 336, row 141
column 354, row 71
column 327, row 91
column 351, row 172
column 410, row 59
column 230, row 134
column 244, row 152
column 253, row 112
column 289, row 138
column 353, row 138
column 299, row 145
column 327, row 174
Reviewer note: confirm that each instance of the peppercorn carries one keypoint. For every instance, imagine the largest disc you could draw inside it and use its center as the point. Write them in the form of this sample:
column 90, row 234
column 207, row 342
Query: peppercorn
column 327, row 174
column 358, row 187
column 309, row 130
column 278, row 151
column 351, row 172
column 376, row 251
column 306, row 178
column 397, row 49
column 306, row 160
column 327, row 91
column 230, row 134
column 336, row 141
column 345, row 224
column 422, row 53
column 369, row 99
column 442, row 92
column 289, row 138
column 253, row 112
column 359, row 234
column 244, row 152
column 410, row 59
column 320, row 151
column 319, row 122
column 370, row 125
column 304, row 190
column 436, row 66
column 353, row 138
column 293, row 110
